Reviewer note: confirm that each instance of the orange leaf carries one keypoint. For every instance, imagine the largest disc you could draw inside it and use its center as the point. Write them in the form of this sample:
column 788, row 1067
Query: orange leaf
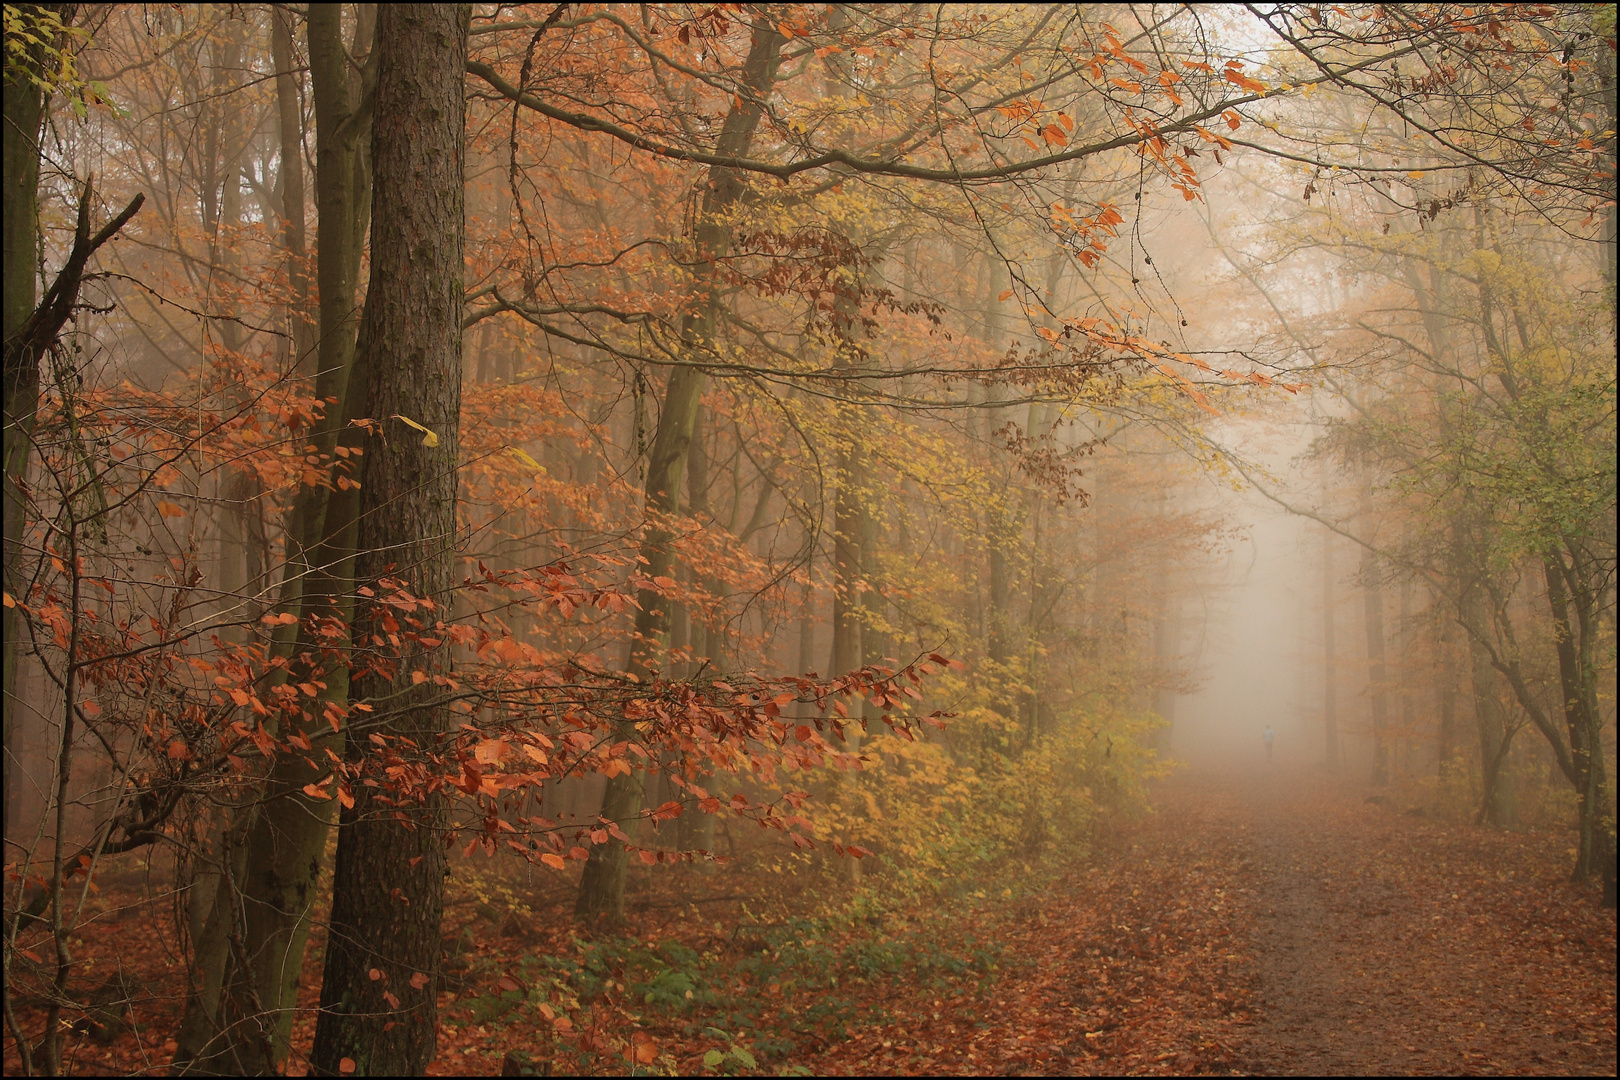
column 1006, row 294
column 374, row 974
column 346, row 1066
column 556, row 861
column 419, row 980
column 169, row 509
column 316, row 793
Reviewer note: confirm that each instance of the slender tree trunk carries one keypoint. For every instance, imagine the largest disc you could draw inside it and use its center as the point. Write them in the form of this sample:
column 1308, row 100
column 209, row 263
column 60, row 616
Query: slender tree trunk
column 694, row 829
column 388, row 887
column 601, row 886
column 1446, row 693
column 1578, row 681
column 1372, row 598
column 290, row 181
column 1498, row 802
column 1330, row 684
column 248, row 958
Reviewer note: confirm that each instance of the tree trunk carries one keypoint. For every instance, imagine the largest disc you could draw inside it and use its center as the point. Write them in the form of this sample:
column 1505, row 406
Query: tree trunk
column 290, row 181
column 388, row 887
column 694, row 829
column 1330, row 688
column 247, row 962
column 601, row 886
column 24, row 107
column 1578, row 681
column 1372, row 599
column 1498, row 803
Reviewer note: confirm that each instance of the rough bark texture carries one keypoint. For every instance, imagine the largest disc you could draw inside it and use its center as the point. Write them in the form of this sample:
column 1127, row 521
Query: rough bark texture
column 388, row 887
column 601, row 886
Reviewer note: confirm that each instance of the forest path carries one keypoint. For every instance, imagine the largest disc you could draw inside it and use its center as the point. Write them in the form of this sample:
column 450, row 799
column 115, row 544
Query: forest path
column 1275, row 922
column 1388, row 943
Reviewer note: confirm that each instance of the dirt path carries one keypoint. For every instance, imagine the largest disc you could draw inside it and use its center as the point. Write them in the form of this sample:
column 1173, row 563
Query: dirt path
column 1278, row 923
column 1386, row 943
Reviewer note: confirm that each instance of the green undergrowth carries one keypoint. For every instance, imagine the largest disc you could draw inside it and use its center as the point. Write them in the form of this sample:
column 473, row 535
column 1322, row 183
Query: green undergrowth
column 748, row 1004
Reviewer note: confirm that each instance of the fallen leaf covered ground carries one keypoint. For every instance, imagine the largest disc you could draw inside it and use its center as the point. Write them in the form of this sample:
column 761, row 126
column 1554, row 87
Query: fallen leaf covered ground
column 1272, row 923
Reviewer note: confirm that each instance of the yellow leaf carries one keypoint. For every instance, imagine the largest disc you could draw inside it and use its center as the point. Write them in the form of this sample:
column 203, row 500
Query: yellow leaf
column 428, row 438
column 523, row 456
column 1416, row 174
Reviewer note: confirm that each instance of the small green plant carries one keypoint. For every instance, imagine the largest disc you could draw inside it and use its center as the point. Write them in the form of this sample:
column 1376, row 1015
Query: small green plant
column 728, row 1062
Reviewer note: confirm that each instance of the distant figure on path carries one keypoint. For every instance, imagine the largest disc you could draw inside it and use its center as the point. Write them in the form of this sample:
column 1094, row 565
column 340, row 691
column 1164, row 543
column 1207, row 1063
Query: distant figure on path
column 1269, row 736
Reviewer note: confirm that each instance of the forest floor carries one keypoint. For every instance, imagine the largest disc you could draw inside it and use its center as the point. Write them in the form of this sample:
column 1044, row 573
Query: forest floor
column 1276, row 923
column 1280, row 923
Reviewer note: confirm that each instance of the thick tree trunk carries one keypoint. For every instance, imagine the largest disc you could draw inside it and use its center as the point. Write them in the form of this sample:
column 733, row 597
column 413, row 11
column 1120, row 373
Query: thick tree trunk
column 388, row 887
column 601, row 886
column 24, row 108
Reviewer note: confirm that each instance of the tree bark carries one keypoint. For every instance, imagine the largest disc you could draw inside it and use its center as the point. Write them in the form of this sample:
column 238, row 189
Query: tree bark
column 24, row 115
column 388, row 887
